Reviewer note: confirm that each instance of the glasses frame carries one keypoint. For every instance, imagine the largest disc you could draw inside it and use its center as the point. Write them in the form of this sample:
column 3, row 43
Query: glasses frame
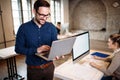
column 43, row 15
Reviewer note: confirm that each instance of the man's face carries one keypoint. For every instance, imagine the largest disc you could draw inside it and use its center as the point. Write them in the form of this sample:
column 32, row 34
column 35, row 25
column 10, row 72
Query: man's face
column 42, row 14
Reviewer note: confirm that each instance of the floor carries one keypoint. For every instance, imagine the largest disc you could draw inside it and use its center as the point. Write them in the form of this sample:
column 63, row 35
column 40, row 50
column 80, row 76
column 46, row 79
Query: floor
column 21, row 67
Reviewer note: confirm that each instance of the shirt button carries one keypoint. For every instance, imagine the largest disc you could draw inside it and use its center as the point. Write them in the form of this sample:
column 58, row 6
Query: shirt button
column 38, row 37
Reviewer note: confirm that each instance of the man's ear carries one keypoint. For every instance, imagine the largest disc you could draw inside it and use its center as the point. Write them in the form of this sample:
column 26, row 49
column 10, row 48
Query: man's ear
column 34, row 11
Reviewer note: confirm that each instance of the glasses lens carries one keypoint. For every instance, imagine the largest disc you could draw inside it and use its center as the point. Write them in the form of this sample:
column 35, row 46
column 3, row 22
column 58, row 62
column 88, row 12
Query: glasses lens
column 43, row 15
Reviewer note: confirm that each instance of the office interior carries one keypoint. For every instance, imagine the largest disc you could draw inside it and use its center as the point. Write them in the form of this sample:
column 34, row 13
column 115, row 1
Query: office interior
column 100, row 17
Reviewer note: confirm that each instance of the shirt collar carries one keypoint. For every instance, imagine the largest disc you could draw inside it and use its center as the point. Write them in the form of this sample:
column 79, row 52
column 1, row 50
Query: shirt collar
column 117, row 50
column 33, row 21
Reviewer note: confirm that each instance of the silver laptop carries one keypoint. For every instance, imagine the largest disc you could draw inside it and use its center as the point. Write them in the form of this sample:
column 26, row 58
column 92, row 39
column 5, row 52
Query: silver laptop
column 58, row 48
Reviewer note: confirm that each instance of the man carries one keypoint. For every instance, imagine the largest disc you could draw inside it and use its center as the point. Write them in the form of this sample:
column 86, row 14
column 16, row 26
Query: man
column 58, row 27
column 37, row 36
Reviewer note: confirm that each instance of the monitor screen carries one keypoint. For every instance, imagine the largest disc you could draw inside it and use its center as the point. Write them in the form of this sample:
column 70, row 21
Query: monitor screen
column 81, row 45
column 64, row 29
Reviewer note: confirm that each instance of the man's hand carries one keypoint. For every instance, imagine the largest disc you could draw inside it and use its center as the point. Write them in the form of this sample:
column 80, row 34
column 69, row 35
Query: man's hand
column 57, row 57
column 43, row 48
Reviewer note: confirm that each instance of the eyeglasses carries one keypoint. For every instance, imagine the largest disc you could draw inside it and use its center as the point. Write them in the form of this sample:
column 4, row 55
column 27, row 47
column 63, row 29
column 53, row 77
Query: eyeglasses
column 43, row 15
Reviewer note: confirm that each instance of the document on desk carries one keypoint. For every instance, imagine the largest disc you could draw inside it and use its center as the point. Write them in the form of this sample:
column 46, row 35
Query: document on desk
column 99, row 54
column 71, row 71
column 85, row 72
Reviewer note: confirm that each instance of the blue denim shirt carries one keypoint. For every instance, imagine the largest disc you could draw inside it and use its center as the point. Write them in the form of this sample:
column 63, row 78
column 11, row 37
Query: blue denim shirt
column 30, row 37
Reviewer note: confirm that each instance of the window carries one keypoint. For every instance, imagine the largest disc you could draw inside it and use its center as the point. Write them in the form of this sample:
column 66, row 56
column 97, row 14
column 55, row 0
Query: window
column 21, row 10
column 16, row 14
column 55, row 11
column 26, row 9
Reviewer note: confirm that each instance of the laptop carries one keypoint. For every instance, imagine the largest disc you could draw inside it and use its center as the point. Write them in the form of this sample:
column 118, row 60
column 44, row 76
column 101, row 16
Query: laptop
column 58, row 48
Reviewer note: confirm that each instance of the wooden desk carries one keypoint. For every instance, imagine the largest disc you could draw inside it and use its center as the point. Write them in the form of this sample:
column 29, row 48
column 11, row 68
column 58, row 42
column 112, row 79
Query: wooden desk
column 80, row 70
column 9, row 55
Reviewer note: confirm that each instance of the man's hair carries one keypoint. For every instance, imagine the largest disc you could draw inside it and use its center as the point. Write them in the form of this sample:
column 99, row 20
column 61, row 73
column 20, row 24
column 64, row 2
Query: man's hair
column 58, row 22
column 115, row 38
column 41, row 3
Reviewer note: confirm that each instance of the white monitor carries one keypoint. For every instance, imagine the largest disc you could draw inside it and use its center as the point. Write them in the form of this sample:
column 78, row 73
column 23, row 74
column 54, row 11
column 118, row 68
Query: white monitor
column 81, row 45
column 64, row 29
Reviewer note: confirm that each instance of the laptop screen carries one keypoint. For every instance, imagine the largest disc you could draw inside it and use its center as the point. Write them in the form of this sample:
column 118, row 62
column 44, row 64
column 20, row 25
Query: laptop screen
column 81, row 45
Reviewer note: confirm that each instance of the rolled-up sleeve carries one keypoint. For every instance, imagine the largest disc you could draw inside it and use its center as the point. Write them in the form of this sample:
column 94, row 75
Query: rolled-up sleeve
column 113, row 66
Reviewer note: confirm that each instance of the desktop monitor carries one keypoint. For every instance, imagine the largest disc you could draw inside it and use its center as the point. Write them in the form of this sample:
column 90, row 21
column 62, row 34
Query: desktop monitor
column 64, row 29
column 81, row 45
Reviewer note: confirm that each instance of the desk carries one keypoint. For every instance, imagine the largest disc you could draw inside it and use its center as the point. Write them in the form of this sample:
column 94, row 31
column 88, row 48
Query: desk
column 9, row 55
column 66, row 35
column 80, row 70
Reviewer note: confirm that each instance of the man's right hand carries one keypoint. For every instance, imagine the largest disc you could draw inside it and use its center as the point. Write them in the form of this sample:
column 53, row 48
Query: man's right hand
column 43, row 48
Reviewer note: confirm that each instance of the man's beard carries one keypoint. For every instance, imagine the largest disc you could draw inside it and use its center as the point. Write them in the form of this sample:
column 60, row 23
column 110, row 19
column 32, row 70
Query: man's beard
column 38, row 21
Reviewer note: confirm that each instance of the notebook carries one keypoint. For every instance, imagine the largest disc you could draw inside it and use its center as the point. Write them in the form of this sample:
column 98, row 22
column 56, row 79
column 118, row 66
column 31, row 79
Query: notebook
column 58, row 48
column 99, row 54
